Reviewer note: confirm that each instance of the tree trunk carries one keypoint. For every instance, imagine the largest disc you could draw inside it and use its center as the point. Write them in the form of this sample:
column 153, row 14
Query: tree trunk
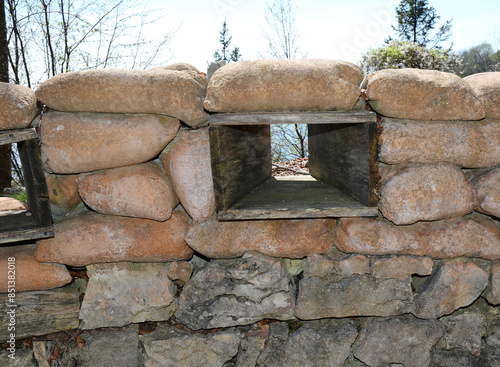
column 5, row 150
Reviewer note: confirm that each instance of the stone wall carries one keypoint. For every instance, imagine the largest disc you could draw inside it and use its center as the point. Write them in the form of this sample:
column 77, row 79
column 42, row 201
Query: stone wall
column 141, row 273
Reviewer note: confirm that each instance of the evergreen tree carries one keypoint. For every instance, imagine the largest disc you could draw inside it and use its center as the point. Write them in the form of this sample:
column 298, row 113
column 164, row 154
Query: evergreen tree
column 225, row 40
column 416, row 24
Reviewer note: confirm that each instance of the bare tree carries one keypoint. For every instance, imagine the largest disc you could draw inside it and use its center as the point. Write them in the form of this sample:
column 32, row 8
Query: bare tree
column 48, row 37
column 287, row 141
column 5, row 150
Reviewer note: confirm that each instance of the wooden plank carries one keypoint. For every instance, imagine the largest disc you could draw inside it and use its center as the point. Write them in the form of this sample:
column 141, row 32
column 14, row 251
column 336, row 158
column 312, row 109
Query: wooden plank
column 325, row 117
column 241, row 160
column 14, row 236
column 13, row 136
column 295, row 197
column 36, row 185
column 41, row 312
column 345, row 156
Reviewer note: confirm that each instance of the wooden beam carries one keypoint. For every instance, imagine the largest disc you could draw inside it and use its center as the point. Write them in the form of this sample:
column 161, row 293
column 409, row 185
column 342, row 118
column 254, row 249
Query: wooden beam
column 345, row 156
column 327, row 117
column 295, row 197
column 41, row 312
column 241, row 160
column 13, row 136
column 18, row 235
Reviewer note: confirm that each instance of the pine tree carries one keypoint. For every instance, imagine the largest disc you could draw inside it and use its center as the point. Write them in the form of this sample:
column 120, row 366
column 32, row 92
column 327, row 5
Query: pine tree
column 416, row 23
column 225, row 40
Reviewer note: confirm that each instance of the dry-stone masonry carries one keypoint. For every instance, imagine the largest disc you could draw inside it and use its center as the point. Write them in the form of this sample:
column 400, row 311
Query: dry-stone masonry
column 143, row 273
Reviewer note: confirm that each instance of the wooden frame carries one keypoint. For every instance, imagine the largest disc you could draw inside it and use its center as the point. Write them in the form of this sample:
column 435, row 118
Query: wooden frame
column 343, row 163
column 36, row 222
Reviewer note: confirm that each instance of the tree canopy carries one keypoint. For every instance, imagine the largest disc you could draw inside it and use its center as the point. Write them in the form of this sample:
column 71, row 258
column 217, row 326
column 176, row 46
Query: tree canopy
column 396, row 55
column 225, row 40
column 417, row 23
column 479, row 59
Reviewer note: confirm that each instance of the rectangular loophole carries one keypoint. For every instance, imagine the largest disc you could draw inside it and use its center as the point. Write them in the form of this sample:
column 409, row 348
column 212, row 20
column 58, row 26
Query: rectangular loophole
column 36, row 222
column 343, row 165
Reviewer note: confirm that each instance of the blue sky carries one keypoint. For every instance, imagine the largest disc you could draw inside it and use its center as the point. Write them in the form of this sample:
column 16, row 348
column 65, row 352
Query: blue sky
column 334, row 29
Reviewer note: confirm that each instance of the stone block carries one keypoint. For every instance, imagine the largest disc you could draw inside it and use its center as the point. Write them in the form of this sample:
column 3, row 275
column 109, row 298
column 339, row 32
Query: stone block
column 422, row 95
column 171, row 347
column 487, row 88
column 63, row 191
column 175, row 93
column 474, row 236
column 284, row 85
column 455, row 283
column 97, row 238
column 493, row 296
column 469, row 144
column 27, row 273
column 18, row 106
column 187, row 162
column 401, row 266
column 463, row 331
column 314, row 344
column 486, row 185
column 411, row 193
column 122, row 293
column 397, row 340
column 236, row 292
column 84, row 142
column 278, row 238
column 139, row 191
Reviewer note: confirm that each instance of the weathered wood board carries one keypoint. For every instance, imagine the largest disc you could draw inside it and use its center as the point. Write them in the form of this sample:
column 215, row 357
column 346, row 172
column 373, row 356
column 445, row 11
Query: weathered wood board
column 13, row 136
column 295, row 197
column 37, row 221
column 41, row 312
column 266, row 118
column 241, row 160
column 345, row 156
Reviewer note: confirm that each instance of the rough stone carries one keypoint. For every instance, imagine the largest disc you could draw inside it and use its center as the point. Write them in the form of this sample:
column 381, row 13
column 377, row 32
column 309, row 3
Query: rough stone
column 187, row 162
column 397, row 340
column 175, row 93
column 140, row 191
column 97, row 348
column 97, row 238
column 23, row 358
column 11, row 204
column 422, row 95
column 487, row 88
column 486, row 184
column 474, row 236
column 171, row 347
column 464, row 143
column 455, row 283
column 411, row 193
column 493, row 295
column 30, row 274
column 236, row 292
column 122, row 293
column 354, row 264
column 315, row 344
column 63, row 191
column 357, row 295
column 18, row 106
column 250, row 348
column 401, row 266
column 179, row 272
column 84, row 142
column 318, row 266
column 277, row 85
column 461, row 358
column 279, row 238
column 492, row 337
column 463, row 331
